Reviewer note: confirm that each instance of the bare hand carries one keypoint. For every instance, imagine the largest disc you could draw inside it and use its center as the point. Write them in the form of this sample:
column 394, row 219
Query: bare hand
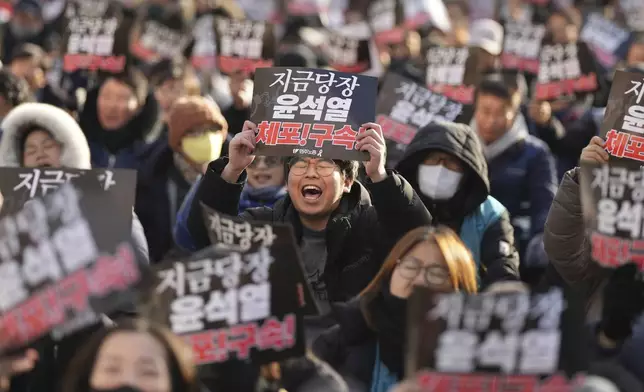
column 540, row 112
column 241, row 90
column 12, row 366
column 241, row 152
column 371, row 140
column 594, row 152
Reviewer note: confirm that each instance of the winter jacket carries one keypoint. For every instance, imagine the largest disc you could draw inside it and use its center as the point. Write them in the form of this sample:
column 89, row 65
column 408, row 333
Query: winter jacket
column 568, row 247
column 522, row 177
column 350, row 347
column 160, row 191
column 358, row 236
column 145, row 127
column 484, row 224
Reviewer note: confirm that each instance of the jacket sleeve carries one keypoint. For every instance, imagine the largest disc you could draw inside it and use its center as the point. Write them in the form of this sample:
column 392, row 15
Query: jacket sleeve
column 569, row 141
column 216, row 193
column 542, row 178
column 564, row 236
column 397, row 205
column 499, row 257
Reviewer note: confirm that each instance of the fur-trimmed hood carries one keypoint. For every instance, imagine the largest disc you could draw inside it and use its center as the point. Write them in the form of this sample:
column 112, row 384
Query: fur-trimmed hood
column 75, row 150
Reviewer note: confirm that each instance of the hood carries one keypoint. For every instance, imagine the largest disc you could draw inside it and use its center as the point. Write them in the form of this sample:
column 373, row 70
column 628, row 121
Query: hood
column 458, row 140
column 63, row 127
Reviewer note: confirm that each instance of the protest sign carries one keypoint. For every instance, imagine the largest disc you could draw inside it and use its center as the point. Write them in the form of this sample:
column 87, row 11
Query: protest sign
column 311, row 112
column 156, row 38
column 54, row 276
column 447, row 73
column 108, row 191
column 404, row 107
column 243, row 45
column 605, row 38
column 346, row 53
column 234, row 305
column 495, row 341
column 623, row 124
column 234, row 233
column 634, row 14
column 204, row 51
column 612, row 197
column 522, row 43
column 565, row 71
column 95, row 38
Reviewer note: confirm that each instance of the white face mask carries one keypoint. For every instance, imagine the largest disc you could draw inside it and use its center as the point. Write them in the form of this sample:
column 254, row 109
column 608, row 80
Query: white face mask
column 438, row 182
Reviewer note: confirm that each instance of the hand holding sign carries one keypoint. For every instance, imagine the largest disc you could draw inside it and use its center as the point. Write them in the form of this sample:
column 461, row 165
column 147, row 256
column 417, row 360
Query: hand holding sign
column 12, row 366
column 594, row 151
column 241, row 151
column 371, row 140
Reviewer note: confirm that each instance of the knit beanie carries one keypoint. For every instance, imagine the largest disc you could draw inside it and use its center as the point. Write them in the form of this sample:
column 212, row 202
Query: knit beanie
column 193, row 113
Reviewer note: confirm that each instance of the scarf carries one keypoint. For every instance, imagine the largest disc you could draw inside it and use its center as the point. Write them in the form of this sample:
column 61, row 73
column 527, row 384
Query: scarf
column 260, row 197
column 518, row 132
column 389, row 316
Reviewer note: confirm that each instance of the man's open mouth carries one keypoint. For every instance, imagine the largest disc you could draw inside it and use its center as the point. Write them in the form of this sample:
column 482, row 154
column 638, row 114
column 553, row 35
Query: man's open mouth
column 311, row 192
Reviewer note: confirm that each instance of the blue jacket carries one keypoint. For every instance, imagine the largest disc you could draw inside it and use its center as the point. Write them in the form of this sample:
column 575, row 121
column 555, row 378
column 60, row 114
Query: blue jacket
column 483, row 223
column 524, row 179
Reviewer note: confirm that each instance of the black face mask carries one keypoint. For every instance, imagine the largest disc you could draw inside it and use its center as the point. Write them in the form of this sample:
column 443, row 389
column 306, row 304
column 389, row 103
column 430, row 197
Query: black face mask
column 122, row 388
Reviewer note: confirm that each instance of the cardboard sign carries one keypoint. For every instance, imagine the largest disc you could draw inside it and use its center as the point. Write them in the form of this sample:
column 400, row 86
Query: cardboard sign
column 236, row 234
column 404, row 107
column 521, row 47
column 234, row 305
column 94, row 38
column 623, row 125
column 311, row 112
column 110, row 192
column 54, row 275
column 612, row 197
column 565, row 71
column 495, row 338
column 446, row 73
column 605, row 38
column 243, row 45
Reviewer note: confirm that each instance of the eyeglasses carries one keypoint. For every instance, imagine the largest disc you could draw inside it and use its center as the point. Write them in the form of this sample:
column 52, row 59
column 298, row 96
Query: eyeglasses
column 322, row 168
column 434, row 275
column 269, row 162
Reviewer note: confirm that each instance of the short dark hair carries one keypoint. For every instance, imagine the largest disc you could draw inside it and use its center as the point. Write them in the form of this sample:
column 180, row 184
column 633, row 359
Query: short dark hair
column 349, row 169
column 14, row 90
column 180, row 366
column 134, row 79
column 494, row 88
column 31, row 52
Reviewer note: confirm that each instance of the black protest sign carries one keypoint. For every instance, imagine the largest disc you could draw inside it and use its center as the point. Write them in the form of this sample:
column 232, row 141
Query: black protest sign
column 565, row 70
column 54, row 276
column 237, row 234
column 347, row 53
column 447, row 73
column 311, row 112
column 95, row 38
column 623, row 124
column 404, row 107
column 109, row 191
column 243, row 45
column 605, row 38
column 521, row 46
column 160, row 37
column 386, row 18
column 612, row 197
column 500, row 341
column 203, row 56
column 234, row 305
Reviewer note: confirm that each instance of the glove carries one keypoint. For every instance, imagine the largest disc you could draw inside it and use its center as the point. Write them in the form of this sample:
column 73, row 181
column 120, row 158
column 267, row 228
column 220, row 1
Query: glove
column 623, row 302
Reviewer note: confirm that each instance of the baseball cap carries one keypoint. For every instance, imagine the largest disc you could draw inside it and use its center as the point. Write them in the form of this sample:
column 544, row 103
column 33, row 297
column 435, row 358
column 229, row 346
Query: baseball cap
column 487, row 34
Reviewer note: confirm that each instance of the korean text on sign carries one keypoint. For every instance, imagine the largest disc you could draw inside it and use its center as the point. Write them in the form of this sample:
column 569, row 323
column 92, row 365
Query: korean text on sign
column 560, row 72
column 241, row 44
column 239, row 234
column 313, row 110
column 629, row 144
column 47, row 180
column 617, row 197
column 515, row 333
column 42, row 280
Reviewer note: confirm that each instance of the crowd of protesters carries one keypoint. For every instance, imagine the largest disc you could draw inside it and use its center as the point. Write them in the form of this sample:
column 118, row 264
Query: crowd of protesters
column 489, row 204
